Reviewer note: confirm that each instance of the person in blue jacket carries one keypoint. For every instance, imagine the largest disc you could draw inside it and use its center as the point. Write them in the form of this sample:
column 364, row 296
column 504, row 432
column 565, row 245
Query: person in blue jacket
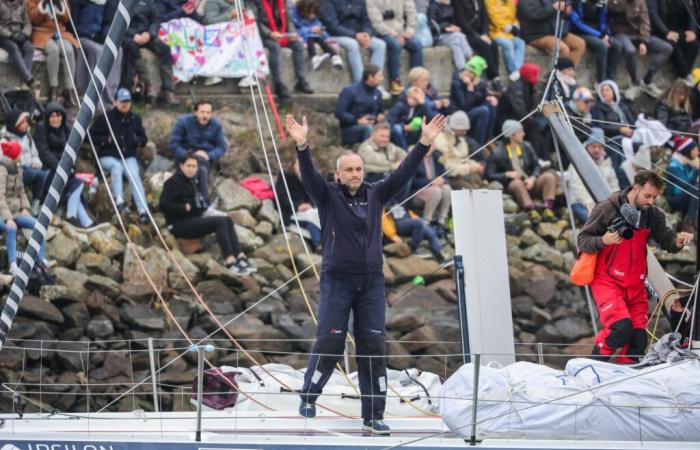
column 406, row 116
column 313, row 33
column 177, row 9
column 351, row 275
column 589, row 19
column 203, row 135
column 359, row 107
column 682, row 181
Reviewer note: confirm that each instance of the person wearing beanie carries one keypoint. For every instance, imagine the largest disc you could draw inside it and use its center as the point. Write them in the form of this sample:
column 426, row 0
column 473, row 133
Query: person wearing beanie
column 469, row 93
column 518, row 100
column 683, row 171
column 579, row 107
column 539, row 23
column 695, row 97
column 14, row 205
column 581, row 200
column 589, row 19
column 504, row 29
column 453, row 146
column 514, row 164
column 566, row 74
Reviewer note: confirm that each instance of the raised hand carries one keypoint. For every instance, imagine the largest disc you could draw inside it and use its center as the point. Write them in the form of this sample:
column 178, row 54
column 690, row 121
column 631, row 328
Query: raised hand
column 429, row 131
column 298, row 132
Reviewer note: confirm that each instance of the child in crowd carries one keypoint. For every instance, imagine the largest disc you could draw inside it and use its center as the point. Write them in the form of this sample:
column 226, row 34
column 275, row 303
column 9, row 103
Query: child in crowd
column 311, row 30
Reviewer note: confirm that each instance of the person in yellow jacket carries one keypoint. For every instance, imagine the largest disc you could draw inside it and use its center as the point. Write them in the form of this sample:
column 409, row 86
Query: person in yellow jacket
column 401, row 222
column 504, row 29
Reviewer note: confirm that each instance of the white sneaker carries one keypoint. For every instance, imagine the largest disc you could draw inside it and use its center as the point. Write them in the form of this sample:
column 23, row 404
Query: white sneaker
column 385, row 95
column 632, row 92
column 247, row 81
column 651, row 89
column 689, row 80
column 211, row 81
column 337, row 62
column 13, row 269
column 318, row 60
column 213, row 212
column 514, row 76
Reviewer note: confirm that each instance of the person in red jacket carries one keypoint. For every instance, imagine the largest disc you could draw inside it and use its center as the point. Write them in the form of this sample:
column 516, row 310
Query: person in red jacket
column 621, row 266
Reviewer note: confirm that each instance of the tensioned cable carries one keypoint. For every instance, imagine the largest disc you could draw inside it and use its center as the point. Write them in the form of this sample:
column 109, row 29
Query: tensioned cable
column 629, row 125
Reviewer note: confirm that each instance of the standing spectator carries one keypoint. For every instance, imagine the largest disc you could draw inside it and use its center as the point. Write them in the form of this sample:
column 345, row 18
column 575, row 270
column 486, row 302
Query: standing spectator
column 420, row 77
column 629, row 20
column 34, row 175
column 434, row 193
column 445, row 32
column 51, row 136
column 45, row 36
column 581, row 200
column 681, row 185
column 673, row 110
column 347, row 22
column 176, row 9
column 589, row 19
column 394, row 21
column 202, row 135
column 406, row 117
column 130, row 135
column 504, row 29
column 453, row 149
column 143, row 33
column 519, row 100
column 379, row 155
column 676, row 21
column 92, row 20
column 15, row 34
column 305, row 16
column 217, row 11
column 695, row 96
column 277, row 30
column 514, row 165
column 538, row 19
column 185, row 207
column 359, row 106
column 302, row 204
column 471, row 17
column 14, row 206
column 468, row 92
column 399, row 221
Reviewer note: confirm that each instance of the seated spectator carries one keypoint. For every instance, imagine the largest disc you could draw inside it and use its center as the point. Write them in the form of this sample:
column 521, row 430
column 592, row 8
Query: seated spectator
column 184, row 207
column 176, row 9
column 130, row 135
column 359, row 107
column 589, row 19
column 453, row 148
column 92, row 20
column 514, row 165
column 629, row 21
column 301, row 204
column 401, row 222
column 538, row 20
column 277, row 30
column 394, row 21
column 445, row 32
column 673, row 110
column 14, row 206
column 676, row 22
column 468, row 92
column 34, row 175
column 347, row 22
column 519, row 100
column 15, row 34
column 143, row 33
column 433, row 191
column 406, row 117
column 44, row 32
column 581, row 200
column 305, row 16
column 683, row 181
column 202, row 135
column 470, row 16
column 218, row 11
column 695, row 96
column 51, row 136
column 566, row 74
column 420, row 77
column 504, row 29
column 423, row 32
column 379, row 155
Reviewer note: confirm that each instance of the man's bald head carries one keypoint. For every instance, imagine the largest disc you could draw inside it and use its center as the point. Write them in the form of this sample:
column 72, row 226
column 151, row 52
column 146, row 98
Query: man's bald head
column 350, row 170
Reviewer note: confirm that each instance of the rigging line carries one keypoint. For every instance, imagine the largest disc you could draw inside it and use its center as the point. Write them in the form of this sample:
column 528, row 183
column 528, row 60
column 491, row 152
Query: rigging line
column 679, row 281
column 612, row 148
column 552, row 401
column 691, row 299
column 628, row 125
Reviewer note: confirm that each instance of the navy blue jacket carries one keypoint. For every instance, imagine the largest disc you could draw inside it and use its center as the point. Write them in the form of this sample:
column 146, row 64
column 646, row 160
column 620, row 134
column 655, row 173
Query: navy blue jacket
column 345, row 17
column 172, row 9
column 351, row 226
column 92, row 21
column 401, row 112
column 355, row 101
column 127, row 128
column 188, row 136
column 144, row 17
column 461, row 98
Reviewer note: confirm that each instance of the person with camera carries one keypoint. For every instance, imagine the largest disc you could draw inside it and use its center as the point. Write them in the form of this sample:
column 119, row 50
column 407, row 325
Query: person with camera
column 617, row 230
column 15, row 31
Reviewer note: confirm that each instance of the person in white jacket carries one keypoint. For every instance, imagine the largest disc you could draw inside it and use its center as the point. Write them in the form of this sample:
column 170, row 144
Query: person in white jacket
column 581, row 200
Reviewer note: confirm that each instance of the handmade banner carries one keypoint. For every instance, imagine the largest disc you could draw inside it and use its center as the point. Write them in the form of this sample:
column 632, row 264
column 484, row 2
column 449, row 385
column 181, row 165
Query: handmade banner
column 217, row 50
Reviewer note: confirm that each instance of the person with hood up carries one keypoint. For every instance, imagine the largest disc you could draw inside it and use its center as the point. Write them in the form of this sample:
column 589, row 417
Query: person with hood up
column 34, row 174
column 14, row 205
column 453, row 147
column 51, row 136
column 682, row 182
column 183, row 205
column 468, row 92
column 581, row 200
column 15, row 34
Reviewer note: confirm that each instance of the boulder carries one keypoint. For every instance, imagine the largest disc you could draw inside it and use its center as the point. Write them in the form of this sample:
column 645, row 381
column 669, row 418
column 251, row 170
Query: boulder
column 405, row 321
column 105, row 244
column 37, row 308
column 71, row 279
column 55, row 292
column 103, row 284
column 406, row 269
column 268, row 212
column 94, row 263
column 264, row 230
column 63, row 249
column 275, row 252
column 100, row 304
column 509, row 205
column 401, row 250
column 541, row 285
column 399, row 358
column 248, row 239
column 76, row 314
column 100, row 327
column 214, row 270
column 175, row 279
column 540, row 316
column 545, row 255
column 551, row 230
column 419, row 339
column 116, row 364
column 215, row 291
column 446, row 288
column 233, row 196
column 521, row 305
column 141, row 317
column 156, row 262
column 243, row 217
column 573, row 328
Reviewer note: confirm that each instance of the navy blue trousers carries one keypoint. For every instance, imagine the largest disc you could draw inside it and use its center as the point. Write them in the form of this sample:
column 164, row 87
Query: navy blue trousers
column 363, row 294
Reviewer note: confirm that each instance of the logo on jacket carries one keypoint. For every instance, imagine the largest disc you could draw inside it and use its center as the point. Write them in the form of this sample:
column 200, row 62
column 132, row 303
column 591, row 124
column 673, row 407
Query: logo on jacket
column 618, row 273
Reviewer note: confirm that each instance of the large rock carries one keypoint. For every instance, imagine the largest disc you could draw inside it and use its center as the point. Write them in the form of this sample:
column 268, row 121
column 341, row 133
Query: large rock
column 233, row 196
column 268, row 212
column 419, row 339
column 156, row 262
column 105, row 244
column 175, row 278
column 76, row 315
column 405, row 269
column 71, row 279
column 95, row 263
column 550, row 230
column 405, row 321
column 63, row 249
column 244, row 218
column 541, row 285
column 99, row 327
column 573, row 327
column 102, row 284
column 62, row 294
column 248, row 239
column 545, row 255
column 40, row 309
column 141, row 317
column 215, row 291
column 100, row 304
column 275, row 251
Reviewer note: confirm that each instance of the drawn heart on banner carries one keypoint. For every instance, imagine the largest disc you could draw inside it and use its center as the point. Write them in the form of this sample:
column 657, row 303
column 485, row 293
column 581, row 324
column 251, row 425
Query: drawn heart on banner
column 200, row 60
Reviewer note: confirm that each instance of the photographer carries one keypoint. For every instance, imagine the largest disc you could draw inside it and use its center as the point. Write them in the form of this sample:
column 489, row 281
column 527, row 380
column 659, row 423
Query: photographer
column 618, row 230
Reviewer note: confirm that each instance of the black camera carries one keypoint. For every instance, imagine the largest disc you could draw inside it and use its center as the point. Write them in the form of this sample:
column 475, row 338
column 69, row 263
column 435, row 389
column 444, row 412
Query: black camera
column 388, row 15
column 620, row 225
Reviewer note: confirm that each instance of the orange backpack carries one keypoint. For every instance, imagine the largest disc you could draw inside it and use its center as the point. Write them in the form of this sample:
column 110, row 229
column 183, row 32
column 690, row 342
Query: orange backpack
column 584, row 269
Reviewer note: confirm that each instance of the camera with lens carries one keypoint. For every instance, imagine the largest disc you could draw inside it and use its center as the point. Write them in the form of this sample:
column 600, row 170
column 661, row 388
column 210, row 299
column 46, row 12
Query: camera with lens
column 619, row 224
column 388, row 15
